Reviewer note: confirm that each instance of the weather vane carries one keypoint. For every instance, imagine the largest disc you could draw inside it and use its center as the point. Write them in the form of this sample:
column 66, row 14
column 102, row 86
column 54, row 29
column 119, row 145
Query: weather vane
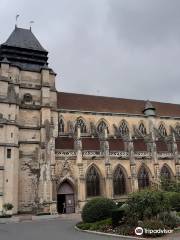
column 17, row 16
column 30, row 23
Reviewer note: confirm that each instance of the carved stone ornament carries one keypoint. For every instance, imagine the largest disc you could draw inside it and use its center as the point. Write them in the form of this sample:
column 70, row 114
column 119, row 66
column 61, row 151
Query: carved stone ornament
column 66, row 168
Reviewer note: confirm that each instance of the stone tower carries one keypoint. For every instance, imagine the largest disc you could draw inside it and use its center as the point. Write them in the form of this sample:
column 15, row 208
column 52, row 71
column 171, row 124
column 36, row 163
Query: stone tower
column 28, row 123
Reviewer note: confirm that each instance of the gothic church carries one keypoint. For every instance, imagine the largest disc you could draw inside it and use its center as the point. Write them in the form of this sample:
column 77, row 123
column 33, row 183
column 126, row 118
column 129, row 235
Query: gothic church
column 57, row 150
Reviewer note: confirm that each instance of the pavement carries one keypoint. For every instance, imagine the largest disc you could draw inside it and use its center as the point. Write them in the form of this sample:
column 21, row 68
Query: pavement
column 61, row 228
column 52, row 227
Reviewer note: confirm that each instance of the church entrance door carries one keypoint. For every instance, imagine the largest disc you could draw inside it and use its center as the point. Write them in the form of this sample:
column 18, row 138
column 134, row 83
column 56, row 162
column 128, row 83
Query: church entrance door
column 65, row 199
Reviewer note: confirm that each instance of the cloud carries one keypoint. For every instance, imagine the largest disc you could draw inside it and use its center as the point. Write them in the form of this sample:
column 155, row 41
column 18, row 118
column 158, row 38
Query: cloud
column 122, row 48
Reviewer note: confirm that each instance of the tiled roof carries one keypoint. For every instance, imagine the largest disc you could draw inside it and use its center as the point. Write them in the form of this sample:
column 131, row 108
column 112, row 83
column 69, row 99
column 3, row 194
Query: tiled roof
column 81, row 102
column 23, row 38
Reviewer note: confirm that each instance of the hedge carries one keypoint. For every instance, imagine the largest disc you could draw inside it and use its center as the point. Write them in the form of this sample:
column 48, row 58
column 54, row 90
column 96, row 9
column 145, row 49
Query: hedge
column 97, row 209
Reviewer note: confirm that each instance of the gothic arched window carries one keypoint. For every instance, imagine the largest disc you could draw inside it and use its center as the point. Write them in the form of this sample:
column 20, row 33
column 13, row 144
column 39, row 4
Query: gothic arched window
column 92, row 182
column 123, row 129
column 61, row 126
column 81, row 124
column 142, row 129
column 177, row 128
column 165, row 173
column 101, row 126
column 162, row 130
column 119, row 182
column 143, row 178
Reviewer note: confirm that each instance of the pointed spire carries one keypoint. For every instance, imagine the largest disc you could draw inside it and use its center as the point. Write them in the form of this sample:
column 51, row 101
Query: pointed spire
column 148, row 105
column 149, row 109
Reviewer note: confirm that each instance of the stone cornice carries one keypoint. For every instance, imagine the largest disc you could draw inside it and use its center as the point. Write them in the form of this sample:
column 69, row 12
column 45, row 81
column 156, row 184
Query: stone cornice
column 29, row 142
column 9, row 145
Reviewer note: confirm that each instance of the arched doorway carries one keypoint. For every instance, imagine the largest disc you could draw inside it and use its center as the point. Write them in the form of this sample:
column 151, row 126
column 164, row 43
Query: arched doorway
column 65, row 198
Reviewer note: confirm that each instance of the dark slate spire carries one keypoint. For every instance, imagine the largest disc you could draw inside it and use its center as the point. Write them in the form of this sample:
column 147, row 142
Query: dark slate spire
column 149, row 110
column 24, row 38
column 24, row 50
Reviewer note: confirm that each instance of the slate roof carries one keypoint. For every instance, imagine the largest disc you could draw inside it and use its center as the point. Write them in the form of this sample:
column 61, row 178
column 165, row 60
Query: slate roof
column 24, row 38
column 22, row 49
column 91, row 103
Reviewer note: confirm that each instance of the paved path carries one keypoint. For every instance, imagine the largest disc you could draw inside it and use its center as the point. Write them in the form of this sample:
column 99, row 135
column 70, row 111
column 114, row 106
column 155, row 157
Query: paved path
column 57, row 229
column 61, row 228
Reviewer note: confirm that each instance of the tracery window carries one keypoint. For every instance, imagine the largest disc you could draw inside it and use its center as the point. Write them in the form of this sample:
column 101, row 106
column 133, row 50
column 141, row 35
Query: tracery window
column 81, row 124
column 142, row 129
column 61, row 126
column 119, row 183
column 101, row 126
column 143, row 178
column 177, row 128
column 165, row 173
column 123, row 129
column 162, row 130
column 93, row 182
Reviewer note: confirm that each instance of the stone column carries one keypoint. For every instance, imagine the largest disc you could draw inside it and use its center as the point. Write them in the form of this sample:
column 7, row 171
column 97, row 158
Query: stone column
column 155, row 159
column 109, row 181
column 176, row 158
column 134, row 181
column 81, row 179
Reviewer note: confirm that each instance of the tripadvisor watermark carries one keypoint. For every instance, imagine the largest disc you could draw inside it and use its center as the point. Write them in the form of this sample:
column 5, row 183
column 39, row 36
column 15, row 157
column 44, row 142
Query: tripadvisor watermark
column 140, row 231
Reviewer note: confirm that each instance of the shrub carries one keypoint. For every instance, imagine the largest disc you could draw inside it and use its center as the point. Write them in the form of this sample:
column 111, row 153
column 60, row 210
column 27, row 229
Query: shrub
column 170, row 185
column 170, row 219
column 174, row 199
column 7, row 206
column 124, row 230
column 152, row 225
column 117, row 217
column 146, row 204
column 119, row 204
column 84, row 226
column 100, row 225
column 97, row 209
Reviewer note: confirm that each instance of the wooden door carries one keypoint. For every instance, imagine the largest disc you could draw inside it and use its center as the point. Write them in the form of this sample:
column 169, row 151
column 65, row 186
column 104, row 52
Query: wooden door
column 70, row 208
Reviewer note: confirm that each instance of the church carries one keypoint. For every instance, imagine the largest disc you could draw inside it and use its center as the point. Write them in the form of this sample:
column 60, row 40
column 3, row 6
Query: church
column 58, row 149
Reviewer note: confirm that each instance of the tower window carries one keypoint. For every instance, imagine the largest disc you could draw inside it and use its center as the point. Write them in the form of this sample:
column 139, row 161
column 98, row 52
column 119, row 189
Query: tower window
column 8, row 153
column 27, row 98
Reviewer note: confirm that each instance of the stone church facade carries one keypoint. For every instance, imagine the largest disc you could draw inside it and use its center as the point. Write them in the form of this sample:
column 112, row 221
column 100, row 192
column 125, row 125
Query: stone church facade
column 57, row 150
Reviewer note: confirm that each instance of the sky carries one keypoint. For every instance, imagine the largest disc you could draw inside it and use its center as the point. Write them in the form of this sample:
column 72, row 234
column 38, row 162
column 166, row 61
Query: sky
column 119, row 48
